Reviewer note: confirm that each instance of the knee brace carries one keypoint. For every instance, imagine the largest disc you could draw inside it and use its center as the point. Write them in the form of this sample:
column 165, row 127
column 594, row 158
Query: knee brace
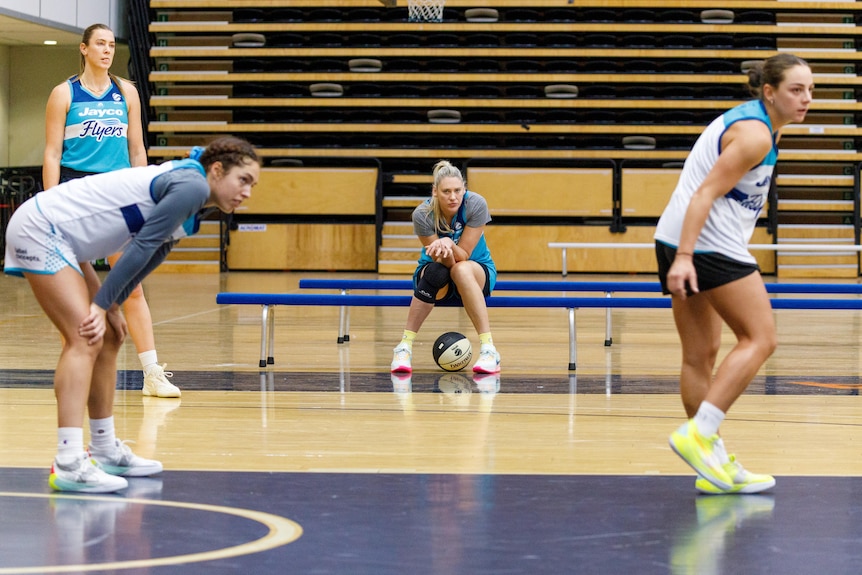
column 435, row 275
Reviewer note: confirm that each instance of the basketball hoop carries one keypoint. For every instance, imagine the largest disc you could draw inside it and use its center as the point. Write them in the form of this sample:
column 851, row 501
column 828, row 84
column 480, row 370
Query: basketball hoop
column 425, row 10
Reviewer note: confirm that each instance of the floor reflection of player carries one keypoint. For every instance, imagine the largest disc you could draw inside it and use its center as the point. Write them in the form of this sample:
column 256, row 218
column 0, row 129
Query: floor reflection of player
column 700, row 549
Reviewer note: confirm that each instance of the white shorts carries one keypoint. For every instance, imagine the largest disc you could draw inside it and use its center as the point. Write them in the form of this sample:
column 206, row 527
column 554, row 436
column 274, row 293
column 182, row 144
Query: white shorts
column 34, row 246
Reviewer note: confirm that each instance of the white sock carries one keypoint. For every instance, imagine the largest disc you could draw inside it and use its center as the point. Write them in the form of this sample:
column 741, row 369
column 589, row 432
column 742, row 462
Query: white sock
column 148, row 359
column 102, row 436
column 70, row 444
column 708, row 418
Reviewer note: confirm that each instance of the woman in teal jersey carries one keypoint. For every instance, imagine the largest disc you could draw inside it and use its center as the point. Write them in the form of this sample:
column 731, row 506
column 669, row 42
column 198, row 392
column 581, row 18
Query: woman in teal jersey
column 93, row 125
column 455, row 265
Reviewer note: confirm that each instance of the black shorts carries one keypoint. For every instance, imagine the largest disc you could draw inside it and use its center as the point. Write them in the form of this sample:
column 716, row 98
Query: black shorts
column 452, row 297
column 713, row 269
column 67, row 174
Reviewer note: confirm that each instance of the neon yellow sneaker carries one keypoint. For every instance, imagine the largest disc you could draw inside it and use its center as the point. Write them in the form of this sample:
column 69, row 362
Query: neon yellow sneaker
column 744, row 481
column 698, row 451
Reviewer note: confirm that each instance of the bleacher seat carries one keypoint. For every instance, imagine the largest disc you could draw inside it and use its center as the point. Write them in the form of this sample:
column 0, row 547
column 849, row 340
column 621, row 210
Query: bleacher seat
column 560, row 15
column 248, row 15
column 597, row 15
column 640, row 66
column 481, row 15
column 443, row 65
column 523, row 40
column 328, row 65
column 282, row 65
column 589, row 40
column 524, row 66
column 481, row 65
column 482, row 40
column 363, row 15
column 560, row 40
column 325, row 15
column 521, row 15
column 285, row 15
column 677, row 16
column 639, row 15
column 286, row 40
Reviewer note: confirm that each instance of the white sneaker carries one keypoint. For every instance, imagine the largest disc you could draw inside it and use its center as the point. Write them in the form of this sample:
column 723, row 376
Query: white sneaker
column 121, row 461
column 84, row 475
column 744, row 481
column 156, row 383
column 401, row 357
column 489, row 360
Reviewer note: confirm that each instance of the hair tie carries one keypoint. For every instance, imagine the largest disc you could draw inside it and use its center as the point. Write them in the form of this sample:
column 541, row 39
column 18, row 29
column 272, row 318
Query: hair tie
column 196, row 152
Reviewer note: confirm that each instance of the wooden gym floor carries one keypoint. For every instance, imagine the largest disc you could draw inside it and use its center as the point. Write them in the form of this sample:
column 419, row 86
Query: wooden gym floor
column 325, row 464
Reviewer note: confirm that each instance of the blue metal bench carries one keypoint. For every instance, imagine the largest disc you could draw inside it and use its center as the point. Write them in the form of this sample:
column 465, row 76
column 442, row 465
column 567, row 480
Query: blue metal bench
column 267, row 301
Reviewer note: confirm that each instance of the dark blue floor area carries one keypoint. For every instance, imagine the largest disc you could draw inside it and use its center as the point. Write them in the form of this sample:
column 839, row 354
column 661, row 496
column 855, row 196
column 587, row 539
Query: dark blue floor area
column 441, row 524
column 438, row 382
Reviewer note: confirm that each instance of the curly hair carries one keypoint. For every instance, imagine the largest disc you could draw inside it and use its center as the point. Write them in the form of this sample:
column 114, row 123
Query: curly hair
column 230, row 151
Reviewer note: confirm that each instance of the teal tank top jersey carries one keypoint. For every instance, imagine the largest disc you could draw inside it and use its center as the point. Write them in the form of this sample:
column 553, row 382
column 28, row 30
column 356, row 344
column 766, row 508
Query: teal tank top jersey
column 97, row 128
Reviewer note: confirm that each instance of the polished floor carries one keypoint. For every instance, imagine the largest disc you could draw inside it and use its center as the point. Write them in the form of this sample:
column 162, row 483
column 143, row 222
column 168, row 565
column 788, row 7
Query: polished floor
column 324, row 463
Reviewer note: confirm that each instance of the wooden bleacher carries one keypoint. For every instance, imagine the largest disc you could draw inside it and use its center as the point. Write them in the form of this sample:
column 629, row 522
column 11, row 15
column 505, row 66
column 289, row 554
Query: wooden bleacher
column 638, row 70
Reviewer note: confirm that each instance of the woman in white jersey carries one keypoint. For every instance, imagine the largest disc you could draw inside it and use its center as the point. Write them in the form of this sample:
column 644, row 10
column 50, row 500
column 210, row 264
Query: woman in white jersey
column 141, row 211
column 93, row 125
column 704, row 263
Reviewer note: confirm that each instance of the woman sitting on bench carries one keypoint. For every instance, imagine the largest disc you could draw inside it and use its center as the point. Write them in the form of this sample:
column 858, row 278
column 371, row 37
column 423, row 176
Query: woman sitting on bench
column 455, row 265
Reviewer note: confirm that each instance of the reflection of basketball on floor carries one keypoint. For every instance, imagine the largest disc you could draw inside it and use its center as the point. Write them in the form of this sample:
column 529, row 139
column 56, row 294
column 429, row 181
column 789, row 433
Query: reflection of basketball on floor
column 454, row 388
column 452, row 351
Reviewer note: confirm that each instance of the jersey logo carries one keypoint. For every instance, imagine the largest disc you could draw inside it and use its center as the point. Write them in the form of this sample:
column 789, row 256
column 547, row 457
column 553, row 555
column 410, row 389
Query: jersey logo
column 107, row 128
column 117, row 97
column 100, row 112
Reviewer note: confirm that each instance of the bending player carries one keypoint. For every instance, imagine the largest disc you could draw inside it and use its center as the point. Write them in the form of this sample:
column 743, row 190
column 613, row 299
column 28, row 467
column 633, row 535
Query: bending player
column 142, row 210
column 455, row 265
column 703, row 261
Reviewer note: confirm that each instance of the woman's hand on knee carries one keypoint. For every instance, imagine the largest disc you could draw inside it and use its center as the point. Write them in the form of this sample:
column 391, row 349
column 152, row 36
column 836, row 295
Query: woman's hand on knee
column 93, row 326
column 118, row 323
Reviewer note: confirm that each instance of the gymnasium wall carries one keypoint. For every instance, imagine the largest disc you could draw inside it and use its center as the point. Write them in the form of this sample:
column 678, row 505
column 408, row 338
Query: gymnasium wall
column 27, row 76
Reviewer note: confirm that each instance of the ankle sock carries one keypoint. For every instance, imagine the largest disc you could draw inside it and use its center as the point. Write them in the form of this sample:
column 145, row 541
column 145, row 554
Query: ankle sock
column 708, row 418
column 102, row 436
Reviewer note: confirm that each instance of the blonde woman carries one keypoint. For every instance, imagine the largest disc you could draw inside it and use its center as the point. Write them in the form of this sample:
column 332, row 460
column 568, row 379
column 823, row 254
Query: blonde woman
column 93, row 125
column 455, row 265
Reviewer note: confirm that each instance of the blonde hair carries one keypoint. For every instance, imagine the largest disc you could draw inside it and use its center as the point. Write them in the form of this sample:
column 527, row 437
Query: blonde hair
column 442, row 169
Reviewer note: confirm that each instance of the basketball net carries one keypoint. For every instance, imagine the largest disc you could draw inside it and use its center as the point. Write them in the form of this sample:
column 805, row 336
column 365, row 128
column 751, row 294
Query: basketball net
column 425, row 10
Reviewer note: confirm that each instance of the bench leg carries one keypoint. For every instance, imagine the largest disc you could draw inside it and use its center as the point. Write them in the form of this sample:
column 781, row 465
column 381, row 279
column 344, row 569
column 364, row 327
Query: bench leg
column 347, row 325
column 264, row 320
column 344, row 321
column 609, row 340
column 565, row 268
column 270, row 358
column 573, row 342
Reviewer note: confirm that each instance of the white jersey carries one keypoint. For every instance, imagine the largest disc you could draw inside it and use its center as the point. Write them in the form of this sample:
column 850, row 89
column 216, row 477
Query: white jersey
column 141, row 211
column 732, row 218
column 116, row 204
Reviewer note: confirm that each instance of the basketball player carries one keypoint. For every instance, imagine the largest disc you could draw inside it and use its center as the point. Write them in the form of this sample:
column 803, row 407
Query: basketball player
column 455, row 264
column 142, row 210
column 703, row 261
column 93, row 125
